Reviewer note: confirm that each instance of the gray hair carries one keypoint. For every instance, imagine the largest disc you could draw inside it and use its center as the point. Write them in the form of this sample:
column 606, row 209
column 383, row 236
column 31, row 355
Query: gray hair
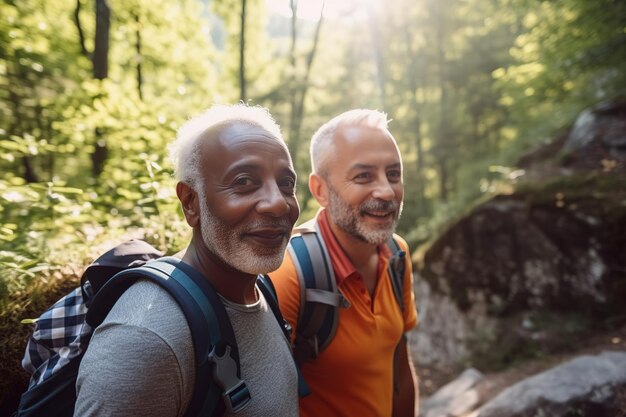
column 184, row 150
column 323, row 138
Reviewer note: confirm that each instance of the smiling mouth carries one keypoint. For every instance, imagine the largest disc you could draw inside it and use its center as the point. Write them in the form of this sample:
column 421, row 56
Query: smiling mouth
column 269, row 237
column 381, row 215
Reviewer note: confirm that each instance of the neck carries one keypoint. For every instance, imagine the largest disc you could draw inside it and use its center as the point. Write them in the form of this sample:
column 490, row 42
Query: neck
column 234, row 285
column 359, row 252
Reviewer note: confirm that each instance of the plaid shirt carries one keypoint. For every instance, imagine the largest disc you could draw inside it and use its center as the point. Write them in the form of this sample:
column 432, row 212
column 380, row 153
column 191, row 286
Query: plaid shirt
column 60, row 335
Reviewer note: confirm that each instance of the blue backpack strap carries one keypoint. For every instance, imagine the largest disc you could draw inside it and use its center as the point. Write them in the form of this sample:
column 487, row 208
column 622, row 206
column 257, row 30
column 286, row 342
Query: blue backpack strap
column 319, row 296
column 266, row 286
column 218, row 374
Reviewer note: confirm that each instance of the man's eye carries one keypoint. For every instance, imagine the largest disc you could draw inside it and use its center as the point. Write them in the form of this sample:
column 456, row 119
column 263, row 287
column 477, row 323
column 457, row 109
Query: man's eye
column 394, row 175
column 243, row 181
column 362, row 176
column 288, row 183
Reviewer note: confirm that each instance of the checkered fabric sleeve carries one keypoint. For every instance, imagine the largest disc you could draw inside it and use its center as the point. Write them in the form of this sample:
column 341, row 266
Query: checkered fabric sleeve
column 60, row 335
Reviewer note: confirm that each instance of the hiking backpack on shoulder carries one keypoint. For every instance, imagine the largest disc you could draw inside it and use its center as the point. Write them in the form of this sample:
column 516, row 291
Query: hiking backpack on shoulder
column 62, row 334
column 320, row 298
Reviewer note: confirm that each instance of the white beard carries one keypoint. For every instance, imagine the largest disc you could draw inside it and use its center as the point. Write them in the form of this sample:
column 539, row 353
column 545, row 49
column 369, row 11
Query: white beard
column 226, row 243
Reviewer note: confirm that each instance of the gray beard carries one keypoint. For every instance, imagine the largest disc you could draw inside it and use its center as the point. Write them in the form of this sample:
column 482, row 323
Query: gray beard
column 349, row 219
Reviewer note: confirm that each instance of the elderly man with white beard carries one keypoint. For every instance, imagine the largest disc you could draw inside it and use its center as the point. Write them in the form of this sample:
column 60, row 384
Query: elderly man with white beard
column 237, row 191
column 357, row 179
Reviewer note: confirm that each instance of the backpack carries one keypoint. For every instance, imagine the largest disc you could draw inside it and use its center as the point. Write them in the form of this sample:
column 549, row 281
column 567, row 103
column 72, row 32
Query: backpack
column 318, row 317
column 62, row 333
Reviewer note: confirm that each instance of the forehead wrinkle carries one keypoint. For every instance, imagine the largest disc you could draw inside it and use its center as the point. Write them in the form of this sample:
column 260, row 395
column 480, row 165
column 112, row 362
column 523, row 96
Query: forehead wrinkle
column 226, row 132
column 240, row 166
column 254, row 162
column 225, row 135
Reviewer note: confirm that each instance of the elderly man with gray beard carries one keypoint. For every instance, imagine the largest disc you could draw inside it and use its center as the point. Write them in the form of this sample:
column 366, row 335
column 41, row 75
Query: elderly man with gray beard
column 357, row 179
column 237, row 191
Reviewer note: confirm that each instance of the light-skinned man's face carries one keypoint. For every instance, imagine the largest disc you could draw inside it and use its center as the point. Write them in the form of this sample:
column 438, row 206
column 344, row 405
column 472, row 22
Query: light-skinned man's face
column 247, row 202
column 364, row 183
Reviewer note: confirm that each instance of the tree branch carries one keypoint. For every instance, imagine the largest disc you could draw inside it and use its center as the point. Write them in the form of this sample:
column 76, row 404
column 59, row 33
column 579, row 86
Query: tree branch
column 81, row 34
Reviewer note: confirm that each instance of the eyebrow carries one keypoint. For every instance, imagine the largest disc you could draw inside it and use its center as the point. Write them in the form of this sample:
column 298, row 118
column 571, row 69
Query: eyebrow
column 369, row 166
column 247, row 166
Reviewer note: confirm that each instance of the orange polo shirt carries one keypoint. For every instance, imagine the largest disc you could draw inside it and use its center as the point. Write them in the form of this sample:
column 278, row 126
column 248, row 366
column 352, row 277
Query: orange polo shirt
column 353, row 376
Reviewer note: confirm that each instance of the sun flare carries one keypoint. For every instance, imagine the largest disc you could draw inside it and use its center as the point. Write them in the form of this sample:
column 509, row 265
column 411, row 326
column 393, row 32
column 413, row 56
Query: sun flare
column 310, row 9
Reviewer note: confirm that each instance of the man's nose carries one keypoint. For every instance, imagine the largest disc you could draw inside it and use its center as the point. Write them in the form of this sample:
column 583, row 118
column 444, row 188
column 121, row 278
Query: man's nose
column 273, row 202
column 383, row 190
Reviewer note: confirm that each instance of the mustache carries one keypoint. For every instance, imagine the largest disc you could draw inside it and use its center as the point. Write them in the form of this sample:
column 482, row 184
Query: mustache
column 270, row 224
column 380, row 205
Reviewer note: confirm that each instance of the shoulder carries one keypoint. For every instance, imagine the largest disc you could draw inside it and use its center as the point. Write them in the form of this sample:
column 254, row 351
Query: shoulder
column 402, row 242
column 146, row 306
column 140, row 352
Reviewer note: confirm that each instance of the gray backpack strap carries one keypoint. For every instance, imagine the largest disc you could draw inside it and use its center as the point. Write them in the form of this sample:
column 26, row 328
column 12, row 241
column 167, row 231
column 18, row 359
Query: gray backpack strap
column 318, row 317
column 319, row 297
column 396, row 269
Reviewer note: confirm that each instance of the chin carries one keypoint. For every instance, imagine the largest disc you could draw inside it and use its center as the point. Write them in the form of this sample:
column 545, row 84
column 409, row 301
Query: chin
column 257, row 265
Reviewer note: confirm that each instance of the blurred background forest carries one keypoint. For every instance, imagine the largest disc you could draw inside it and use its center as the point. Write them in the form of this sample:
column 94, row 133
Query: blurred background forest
column 92, row 91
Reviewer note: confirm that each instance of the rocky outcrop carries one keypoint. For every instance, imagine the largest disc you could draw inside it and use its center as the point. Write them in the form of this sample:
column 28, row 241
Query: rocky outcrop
column 535, row 270
column 592, row 386
column 597, row 137
column 596, row 141
column 524, row 272
column 586, row 386
column 456, row 398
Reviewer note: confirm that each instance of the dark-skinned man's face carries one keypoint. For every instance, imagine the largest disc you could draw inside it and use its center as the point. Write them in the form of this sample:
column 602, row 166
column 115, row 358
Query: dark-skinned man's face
column 247, row 202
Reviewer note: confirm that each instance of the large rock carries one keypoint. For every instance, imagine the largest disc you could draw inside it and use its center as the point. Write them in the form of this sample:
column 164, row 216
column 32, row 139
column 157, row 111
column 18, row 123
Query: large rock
column 525, row 269
column 586, row 386
column 599, row 133
column 533, row 271
column 454, row 399
column 596, row 141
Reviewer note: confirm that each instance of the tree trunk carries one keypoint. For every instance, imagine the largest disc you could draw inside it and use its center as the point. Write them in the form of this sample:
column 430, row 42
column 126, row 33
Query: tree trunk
column 138, row 56
column 242, row 49
column 29, row 172
column 81, row 34
column 300, row 89
column 100, row 72
column 101, row 46
column 16, row 126
column 299, row 92
column 293, row 137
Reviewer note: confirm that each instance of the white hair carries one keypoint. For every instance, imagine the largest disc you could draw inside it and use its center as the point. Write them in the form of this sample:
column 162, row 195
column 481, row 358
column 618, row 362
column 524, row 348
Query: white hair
column 323, row 138
column 184, row 150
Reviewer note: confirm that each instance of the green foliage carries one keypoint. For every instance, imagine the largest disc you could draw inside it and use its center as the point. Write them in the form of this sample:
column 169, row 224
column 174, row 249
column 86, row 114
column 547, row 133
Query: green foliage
column 469, row 85
column 54, row 210
column 570, row 54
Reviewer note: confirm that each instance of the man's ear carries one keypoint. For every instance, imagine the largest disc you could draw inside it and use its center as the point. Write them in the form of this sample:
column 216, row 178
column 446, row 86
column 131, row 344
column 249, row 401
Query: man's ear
column 319, row 189
column 190, row 203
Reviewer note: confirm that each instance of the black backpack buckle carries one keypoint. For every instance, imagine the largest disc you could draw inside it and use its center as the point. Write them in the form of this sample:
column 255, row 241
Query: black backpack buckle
column 236, row 394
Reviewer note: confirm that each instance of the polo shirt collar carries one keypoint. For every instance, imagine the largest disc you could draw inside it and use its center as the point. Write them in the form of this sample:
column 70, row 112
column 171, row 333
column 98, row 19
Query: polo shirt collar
column 342, row 265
